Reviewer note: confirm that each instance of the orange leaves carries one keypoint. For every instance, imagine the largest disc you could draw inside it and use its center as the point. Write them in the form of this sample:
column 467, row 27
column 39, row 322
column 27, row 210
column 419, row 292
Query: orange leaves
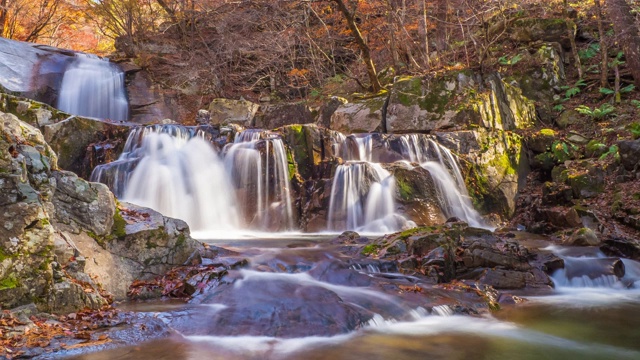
column 78, row 329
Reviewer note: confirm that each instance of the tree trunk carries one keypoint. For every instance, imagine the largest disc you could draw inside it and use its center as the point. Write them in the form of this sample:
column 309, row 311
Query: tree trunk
column 627, row 34
column 572, row 39
column 442, row 7
column 364, row 48
column 423, row 31
column 3, row 16
column 604, row 66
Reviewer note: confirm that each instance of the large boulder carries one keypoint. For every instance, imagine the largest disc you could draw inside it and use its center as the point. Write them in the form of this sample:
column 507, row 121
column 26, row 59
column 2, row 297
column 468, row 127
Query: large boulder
column 226, row 111
column 423, row 105
column 81, row 204
column 143, row 245
column 451, row 100
column 456, row 251
column 29, row 271
column 359, row 116
column 273, row 116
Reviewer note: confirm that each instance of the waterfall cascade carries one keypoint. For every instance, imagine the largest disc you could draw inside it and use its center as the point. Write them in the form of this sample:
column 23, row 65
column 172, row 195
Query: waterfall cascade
column 363, row 192
column 360, row 183
column 246, row 184
column 93, row 87
column 174, row 170
column 445, row 171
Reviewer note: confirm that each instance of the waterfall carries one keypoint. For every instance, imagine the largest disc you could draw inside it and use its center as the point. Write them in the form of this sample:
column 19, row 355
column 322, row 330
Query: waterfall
column 93, row 87
column 363, row 192
column 359, row 150
column 445, row 171
column 176, row 171
column 362, row 199
column 257, row 162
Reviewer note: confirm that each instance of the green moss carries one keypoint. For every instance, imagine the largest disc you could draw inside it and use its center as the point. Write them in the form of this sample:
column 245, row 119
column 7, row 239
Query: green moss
column 4, row 255
column 595, row 146
column 369, row 249
column 151, row 245
column 119, row 225
column 181, row 240
column 433, row 98
column 405, row 190
column 10, row 282
column 547, row 132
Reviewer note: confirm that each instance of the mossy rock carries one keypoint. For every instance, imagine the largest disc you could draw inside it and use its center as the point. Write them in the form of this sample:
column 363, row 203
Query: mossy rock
column 541, row 141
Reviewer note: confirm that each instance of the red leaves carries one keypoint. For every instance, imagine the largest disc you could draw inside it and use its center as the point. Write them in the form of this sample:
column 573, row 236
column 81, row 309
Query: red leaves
column 181, row 282
column 48, row 334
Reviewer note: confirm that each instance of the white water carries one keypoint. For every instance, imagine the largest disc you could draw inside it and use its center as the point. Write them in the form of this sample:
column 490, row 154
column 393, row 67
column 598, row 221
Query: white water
column 93, row 87
column 360, row 183
column 363, row 192
column 263, row 177
column 173, row 170
column 445, row 172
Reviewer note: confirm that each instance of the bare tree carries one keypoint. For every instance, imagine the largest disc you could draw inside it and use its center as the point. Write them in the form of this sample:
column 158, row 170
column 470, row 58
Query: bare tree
column 3, row 16
column 349, row 16
column 626, row 30
column 604, row 66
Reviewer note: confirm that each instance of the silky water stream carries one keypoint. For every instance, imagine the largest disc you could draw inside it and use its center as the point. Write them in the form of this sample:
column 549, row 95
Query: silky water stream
column 304, row 299
column 306, row 296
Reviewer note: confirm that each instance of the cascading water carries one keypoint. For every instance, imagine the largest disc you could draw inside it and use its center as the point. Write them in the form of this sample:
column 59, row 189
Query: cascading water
column 356, row 183
column 592, row 269
column 257, row 162
column 363, row 192
column 445, row 171
column 93, row 87
column 175, row 171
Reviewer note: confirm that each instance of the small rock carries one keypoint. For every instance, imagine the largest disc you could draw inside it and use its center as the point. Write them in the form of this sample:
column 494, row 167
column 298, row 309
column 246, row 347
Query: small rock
column 583, row 237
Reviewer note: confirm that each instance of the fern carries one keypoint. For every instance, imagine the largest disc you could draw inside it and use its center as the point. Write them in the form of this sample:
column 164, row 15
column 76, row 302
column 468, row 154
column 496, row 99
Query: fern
column 596, row 113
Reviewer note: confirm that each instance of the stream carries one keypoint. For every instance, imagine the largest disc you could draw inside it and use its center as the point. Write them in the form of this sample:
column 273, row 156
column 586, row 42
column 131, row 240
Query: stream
column 281, row 306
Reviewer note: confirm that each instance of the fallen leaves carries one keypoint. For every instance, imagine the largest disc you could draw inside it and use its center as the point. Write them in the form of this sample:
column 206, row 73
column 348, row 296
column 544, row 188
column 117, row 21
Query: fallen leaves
column 48, row 332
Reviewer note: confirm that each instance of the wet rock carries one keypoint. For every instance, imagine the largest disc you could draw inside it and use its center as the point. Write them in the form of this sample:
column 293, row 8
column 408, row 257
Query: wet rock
column 623, row 247
column 241, row 112
column 584, row 237
column 255, row 306
column 416, row 191
column 595, row 268
column 456, row 251
column 505, row 279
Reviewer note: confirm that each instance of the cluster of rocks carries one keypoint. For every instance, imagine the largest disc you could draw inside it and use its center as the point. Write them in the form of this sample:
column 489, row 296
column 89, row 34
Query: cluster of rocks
column 455, row 251
column 61, row 236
